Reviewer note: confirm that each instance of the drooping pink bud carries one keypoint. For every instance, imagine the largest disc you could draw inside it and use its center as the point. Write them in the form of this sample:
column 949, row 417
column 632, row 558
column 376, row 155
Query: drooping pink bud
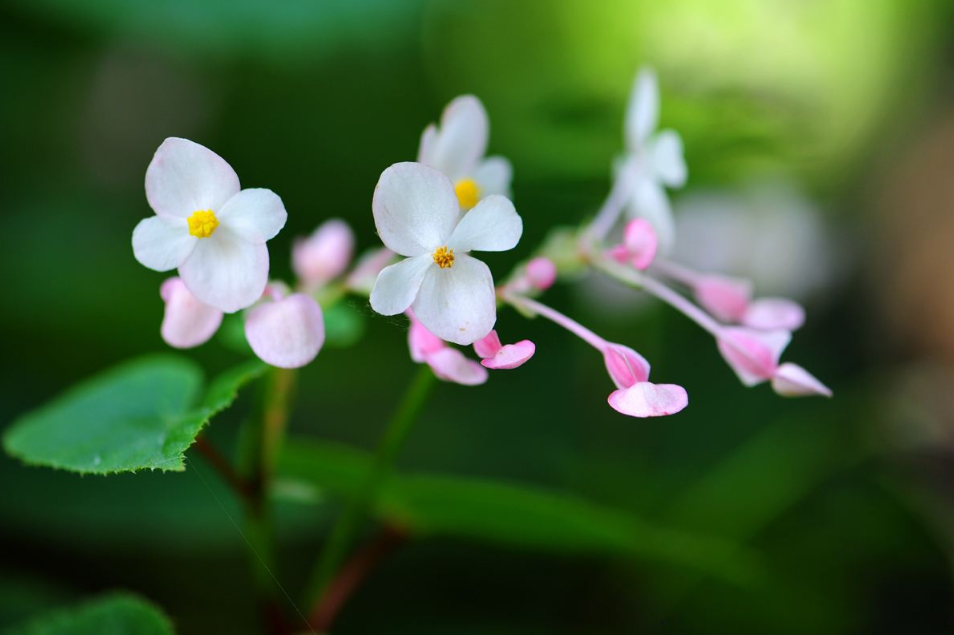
column 288, row 332
column 724, row 297
column 541, row 273
column 450, row 364
column 774, row 313
column 420, row 341
column 325, row 254
column 753, row 354
column 187, row 321
column 625, row 366
column 503, row 357
column 649, row 400
column 641, row 242
column 791, row 380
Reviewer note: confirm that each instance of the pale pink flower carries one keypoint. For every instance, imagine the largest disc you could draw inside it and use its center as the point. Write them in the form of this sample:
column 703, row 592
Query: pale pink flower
column 369, row 265
column 287, row 332
column 325, row 254
column 207, row 226
column 448, row 363
column 639, row 245
column 497, row 356
column 541, row 273
column 187, row 321
column 754, row 356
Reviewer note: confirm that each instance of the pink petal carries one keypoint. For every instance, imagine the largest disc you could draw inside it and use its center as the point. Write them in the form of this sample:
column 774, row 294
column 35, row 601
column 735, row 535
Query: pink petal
column 752, row 354
column 420, row 341
column 488, row 346
column 725, row 298
column 774, row 313
column 542, row 273
column 287, row 333
column 325, row 254
column 645, row 399
column 626, row 367
column 641, row 242
column 451, row 365
column 619, row 253
column 187, row 321
column 792, row 380
column 511, row 356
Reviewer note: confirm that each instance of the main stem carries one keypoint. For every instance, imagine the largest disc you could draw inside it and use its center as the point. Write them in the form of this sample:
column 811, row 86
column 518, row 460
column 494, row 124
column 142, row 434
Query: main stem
column 348, row 523
column 262, row 450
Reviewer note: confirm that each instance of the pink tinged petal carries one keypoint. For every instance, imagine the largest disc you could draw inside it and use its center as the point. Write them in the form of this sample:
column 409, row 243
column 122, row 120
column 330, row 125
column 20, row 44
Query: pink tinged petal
column 642, row 113
column 461, row 140
column 450, row 364
column 493, row 225
column 226, row 272
column 187, row 321
column 619, row 253
column 774, row 313
column 542, row 273
column 792, row 380
column 626, row 367
column 415, row 208
column 185, row 177
column 325, row 254
column 752, row 354
column 510, row 356
column 369, row 266
column 255, row 215
column 641, row 242
column 287, row 333
column 162, row 243
column 649, row 201
column 398, row 285
column 488, row 346
column 649, row 400
column 458, row 304
column 422, row 342
column 667, row 160
column 725, row 298
column 493, row 176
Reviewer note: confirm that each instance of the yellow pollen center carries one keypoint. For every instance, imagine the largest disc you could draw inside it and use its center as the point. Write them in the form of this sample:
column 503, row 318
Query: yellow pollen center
column 468, row 193
column 202, row 223
column 443, row 257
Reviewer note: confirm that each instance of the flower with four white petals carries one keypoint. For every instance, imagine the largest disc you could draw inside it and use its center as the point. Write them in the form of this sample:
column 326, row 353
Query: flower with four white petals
column 653, row 160
column 417, row 215
column 205, row 225
column 457, row 149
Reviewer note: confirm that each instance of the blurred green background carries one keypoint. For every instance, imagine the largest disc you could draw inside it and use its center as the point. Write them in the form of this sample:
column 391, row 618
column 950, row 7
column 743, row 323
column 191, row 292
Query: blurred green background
column 849, row 102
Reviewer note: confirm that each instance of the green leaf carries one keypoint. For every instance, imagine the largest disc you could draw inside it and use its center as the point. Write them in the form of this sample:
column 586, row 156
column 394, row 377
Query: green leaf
column 115, row 614
column 136, row 416
column 510, row 514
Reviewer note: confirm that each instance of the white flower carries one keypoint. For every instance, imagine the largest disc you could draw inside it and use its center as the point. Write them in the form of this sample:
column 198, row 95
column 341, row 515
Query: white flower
column 457, row 149
column 452, row 294
column 653, row 159
column 206, row 227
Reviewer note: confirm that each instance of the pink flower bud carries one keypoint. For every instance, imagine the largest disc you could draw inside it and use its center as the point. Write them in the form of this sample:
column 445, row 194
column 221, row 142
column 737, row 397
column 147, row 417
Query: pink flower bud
column 187, row 321
column 541, row 273
column 725, row 298
column 625, row 366
column 287, row 333
column 752, row 354
column 325, row 254
column 496, row 356
column 641, row 242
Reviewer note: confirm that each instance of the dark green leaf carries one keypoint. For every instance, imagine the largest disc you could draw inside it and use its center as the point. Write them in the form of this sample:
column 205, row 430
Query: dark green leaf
column 116, row 614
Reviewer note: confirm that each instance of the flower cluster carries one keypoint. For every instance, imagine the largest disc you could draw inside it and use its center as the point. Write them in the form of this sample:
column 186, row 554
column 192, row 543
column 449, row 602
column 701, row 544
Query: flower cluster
column 432, row 216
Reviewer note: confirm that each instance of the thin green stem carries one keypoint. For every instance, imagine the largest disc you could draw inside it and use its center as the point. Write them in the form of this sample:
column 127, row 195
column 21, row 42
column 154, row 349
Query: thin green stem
column 343, row 533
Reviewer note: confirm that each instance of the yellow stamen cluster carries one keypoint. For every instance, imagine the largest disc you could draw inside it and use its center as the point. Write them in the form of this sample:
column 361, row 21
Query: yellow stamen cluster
column 202, row 223
column 468, row 193
column 443, row 257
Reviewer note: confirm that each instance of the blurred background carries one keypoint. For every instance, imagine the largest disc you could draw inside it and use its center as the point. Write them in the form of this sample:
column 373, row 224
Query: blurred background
column 819, row 137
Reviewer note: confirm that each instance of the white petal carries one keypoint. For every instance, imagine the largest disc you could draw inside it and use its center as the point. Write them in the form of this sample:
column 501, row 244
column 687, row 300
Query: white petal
column 226, row 272
column 162, row 243
column 287, row 333
column 255, row 215
column 642, row 114
column 185, row 177
column 649, row 201
column 461, row 140
column 493, row 225
column 458, row 304
column 667, row 160
column 398, row 285
column 428, row 141
column 415, row 208
column 493, row 176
